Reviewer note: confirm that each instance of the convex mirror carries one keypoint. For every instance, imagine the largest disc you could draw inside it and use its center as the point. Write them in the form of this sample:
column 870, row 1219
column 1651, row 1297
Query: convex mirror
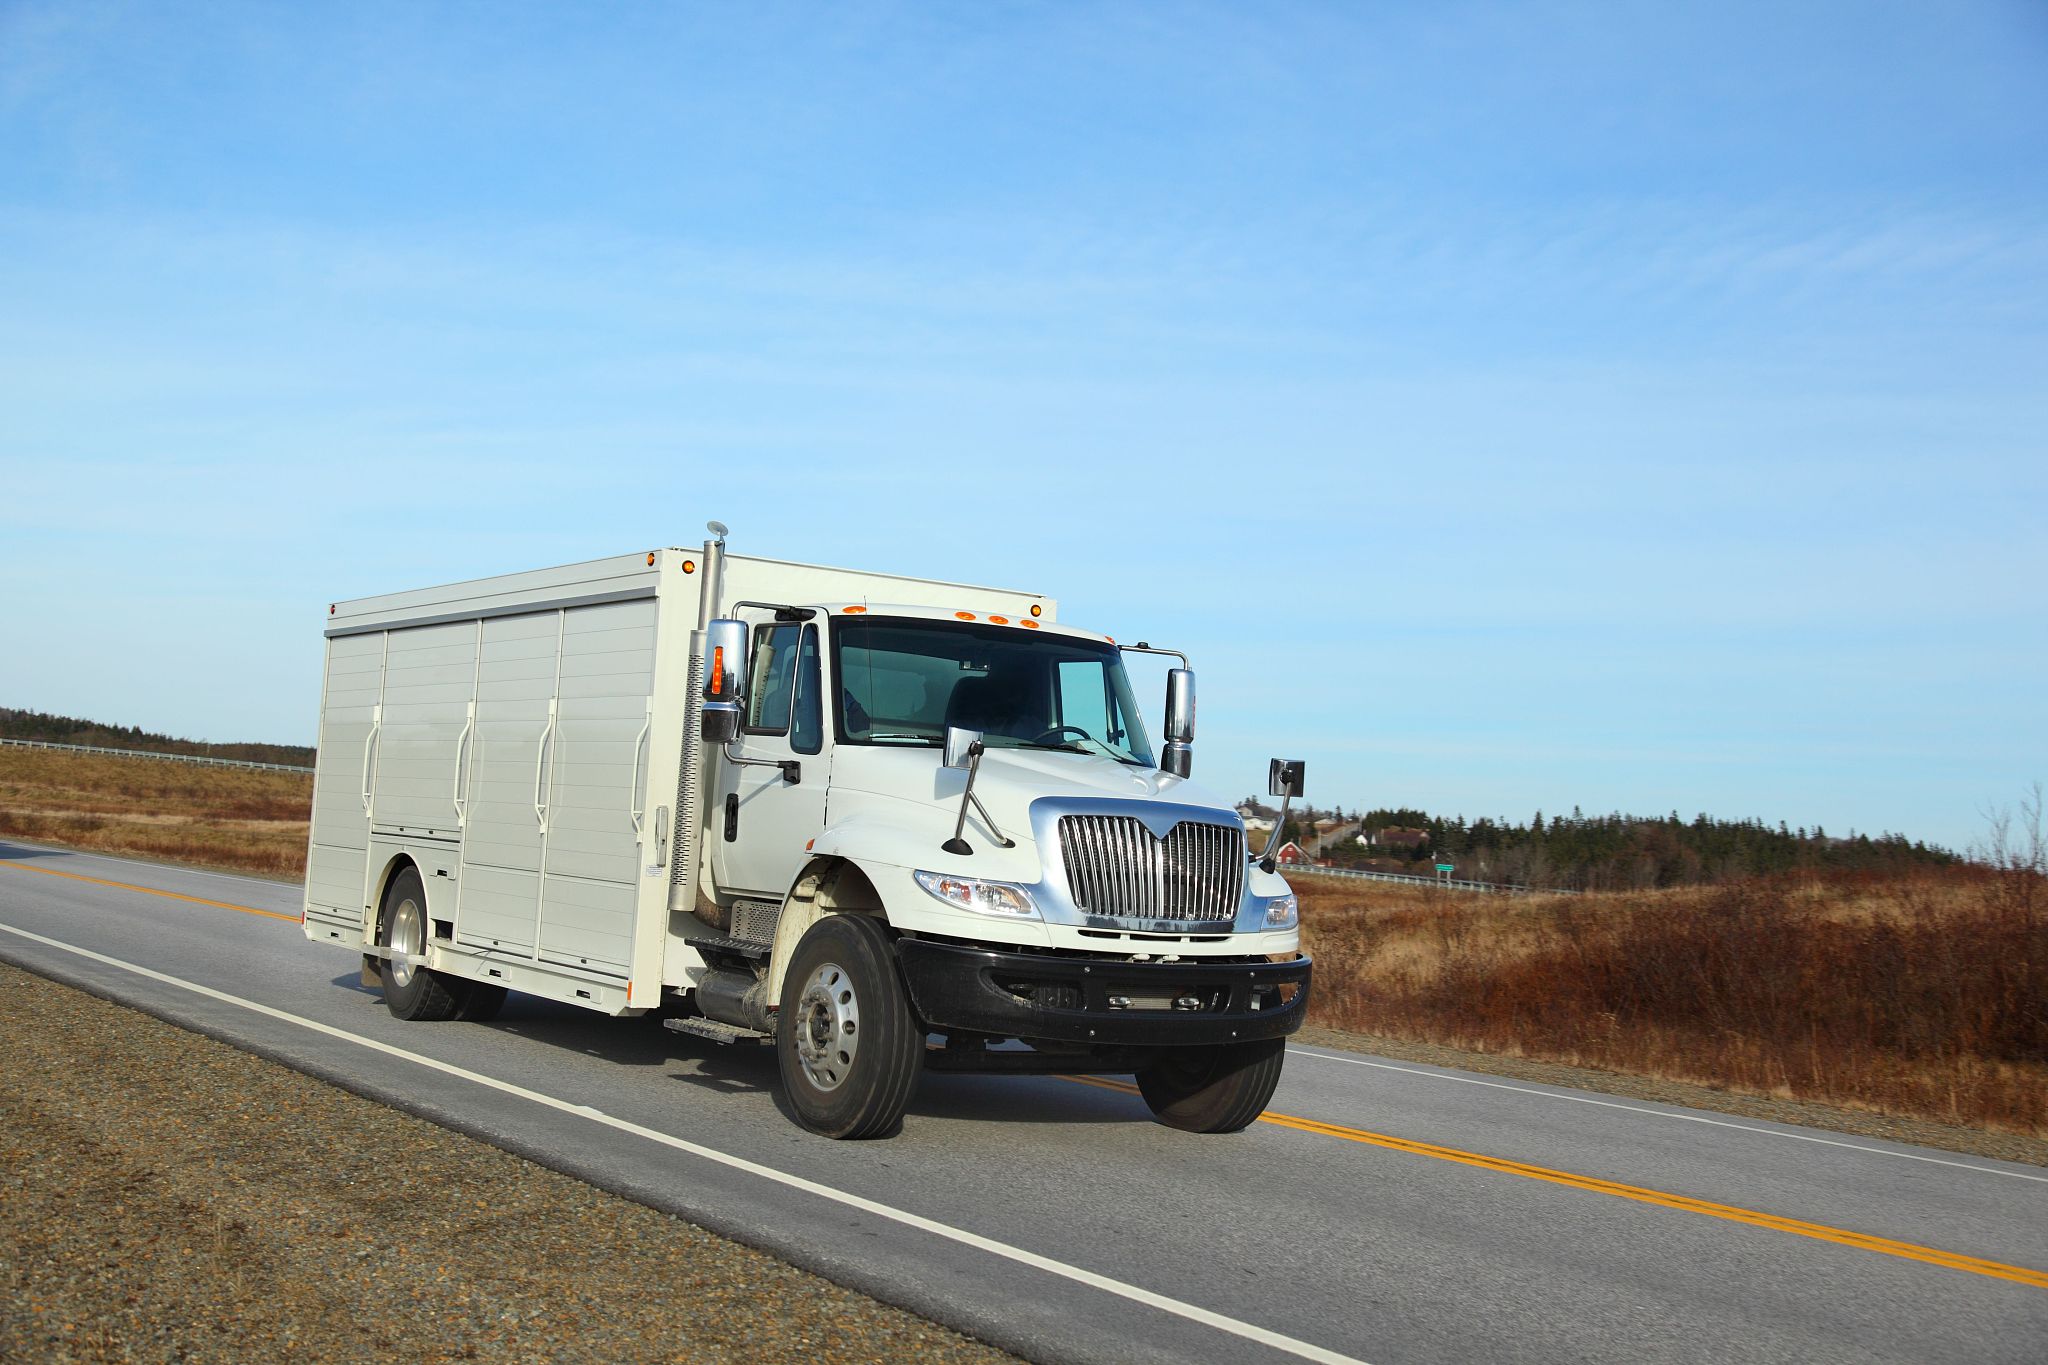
column 1284, row 777
column 960, row 743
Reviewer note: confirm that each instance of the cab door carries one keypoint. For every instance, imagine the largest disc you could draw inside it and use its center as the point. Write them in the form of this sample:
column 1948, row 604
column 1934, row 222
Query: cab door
column 763, row 820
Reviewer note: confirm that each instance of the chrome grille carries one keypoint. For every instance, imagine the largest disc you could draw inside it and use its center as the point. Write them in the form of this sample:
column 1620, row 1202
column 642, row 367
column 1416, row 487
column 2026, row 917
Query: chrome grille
column 1116, row 867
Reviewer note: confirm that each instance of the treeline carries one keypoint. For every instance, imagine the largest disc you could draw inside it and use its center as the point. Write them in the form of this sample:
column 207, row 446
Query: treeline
column 1629, row 852
column 19, row 724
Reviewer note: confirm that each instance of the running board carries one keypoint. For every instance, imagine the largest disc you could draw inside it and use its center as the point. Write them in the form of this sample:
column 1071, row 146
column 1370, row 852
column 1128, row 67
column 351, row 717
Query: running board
column 717, row 1031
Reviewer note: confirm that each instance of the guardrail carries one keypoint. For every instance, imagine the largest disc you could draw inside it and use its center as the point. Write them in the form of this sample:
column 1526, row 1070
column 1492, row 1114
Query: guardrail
column 151, row 753
column 1409, row 879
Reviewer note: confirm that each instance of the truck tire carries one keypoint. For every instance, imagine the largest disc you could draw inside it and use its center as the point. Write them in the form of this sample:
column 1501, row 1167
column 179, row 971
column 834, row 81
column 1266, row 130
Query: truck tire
column 411, row 991
column 849, row 1048
column 1213, row 1089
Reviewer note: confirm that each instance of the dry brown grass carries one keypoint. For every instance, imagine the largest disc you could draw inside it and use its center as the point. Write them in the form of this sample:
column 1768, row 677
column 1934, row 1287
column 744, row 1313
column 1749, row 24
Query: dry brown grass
column 1923, row 996
column 241, row 819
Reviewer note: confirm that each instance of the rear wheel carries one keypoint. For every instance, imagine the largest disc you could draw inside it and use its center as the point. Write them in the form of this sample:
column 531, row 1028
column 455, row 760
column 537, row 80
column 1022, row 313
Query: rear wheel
column 1213, row 1089
column 849, row 1048
column 410, row 990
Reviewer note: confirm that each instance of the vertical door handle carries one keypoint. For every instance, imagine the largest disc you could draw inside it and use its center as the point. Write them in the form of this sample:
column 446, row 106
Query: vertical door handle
column 376, row 728
column 540, row 757
column 461, row 748
column 639, row 740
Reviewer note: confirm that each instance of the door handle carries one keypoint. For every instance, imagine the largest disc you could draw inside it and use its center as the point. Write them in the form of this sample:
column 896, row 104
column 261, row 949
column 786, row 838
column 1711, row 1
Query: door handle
column 660, row 841
column 462, row 748
column 540, row 758
column 638, row 741
column 376, row 728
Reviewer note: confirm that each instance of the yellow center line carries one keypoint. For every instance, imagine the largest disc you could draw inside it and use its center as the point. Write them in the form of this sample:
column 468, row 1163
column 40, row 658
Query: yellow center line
column 1975, row 1265
column 151, row 891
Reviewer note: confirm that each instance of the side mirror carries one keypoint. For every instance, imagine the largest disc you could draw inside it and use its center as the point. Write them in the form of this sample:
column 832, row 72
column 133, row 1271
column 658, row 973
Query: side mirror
column 1179, row 756
column 725, row 672
column 1284, row 777
column 960, row 744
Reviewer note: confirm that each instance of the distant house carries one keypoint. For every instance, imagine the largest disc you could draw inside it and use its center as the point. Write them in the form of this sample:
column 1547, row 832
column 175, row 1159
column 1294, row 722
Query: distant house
column 1293, row 855
column 1256, row 817
column 1393, row 836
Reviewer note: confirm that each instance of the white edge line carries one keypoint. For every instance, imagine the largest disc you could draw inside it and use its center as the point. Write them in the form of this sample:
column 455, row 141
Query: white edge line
column 1191, row 1312
column 1667, row 1114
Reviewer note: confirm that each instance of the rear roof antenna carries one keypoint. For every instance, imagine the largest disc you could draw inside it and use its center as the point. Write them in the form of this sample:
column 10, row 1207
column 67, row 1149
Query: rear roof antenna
column 718, row 529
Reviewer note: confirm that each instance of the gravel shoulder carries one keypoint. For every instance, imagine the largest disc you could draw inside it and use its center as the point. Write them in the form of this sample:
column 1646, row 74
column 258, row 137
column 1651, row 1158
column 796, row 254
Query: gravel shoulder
column 164, row 1196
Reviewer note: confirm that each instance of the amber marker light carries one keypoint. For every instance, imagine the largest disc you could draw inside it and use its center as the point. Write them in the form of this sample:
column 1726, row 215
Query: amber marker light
column 689, row 566
column 964, row 615
column 1037, row 610
column 1029, row 625
column 853, row 611
column 1000, row 620
column 717, row 670
column 650, row 559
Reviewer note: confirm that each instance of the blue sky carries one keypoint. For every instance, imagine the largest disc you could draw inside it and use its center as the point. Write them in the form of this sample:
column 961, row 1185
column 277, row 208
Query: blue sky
column 1508, row 406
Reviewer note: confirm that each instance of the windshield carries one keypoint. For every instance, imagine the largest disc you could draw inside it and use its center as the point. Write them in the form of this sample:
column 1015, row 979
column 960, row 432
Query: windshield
column 903, row 681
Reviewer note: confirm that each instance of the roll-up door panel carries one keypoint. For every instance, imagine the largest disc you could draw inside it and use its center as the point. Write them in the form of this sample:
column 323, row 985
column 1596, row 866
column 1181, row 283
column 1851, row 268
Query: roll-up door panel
column 429, row 678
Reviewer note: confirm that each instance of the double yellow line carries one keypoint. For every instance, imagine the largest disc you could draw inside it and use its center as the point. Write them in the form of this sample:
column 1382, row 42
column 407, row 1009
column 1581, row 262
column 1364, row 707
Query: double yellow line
column 150, row 891
column 1862, row 1241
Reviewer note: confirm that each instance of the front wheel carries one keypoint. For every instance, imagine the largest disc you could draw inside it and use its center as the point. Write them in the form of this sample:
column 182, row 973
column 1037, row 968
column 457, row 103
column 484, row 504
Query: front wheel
column 849, row 1048
column 1213, row 1089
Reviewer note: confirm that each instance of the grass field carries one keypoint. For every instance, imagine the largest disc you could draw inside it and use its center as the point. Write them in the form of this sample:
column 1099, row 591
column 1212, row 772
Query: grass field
column 241, row 819
column 1924, row 996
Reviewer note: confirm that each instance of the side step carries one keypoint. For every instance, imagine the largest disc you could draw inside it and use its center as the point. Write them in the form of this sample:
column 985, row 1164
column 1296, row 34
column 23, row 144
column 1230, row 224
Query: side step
column 738, row 947
column 716, row 1031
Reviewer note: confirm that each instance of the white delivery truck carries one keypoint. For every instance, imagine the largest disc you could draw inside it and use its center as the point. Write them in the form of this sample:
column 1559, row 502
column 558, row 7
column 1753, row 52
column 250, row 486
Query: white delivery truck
column 885, row 824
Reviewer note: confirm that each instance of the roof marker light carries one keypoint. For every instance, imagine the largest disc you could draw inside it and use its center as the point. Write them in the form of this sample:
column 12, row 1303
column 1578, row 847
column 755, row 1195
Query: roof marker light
column 689, row 566
column 1000, row 620
column 1037, row 610
column 853, row 611
column 965, row 615
column 1029, row 625
column 650, row 559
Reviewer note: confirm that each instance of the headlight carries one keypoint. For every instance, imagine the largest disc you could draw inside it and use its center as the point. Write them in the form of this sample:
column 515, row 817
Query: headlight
column 984, row 898
column 1282, row 912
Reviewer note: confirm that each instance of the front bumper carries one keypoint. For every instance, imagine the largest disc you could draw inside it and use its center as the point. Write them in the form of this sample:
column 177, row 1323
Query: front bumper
column 1036, row 996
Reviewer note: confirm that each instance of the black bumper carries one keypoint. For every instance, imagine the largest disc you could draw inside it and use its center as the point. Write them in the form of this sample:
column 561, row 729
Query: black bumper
column 1083, row 1000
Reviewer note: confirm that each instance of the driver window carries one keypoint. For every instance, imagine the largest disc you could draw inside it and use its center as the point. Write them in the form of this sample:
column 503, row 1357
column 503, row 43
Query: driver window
column 770, row 673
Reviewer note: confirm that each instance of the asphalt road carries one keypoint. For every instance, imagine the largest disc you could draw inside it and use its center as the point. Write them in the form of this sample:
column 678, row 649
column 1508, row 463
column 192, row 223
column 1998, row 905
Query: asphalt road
column 1383, row 1212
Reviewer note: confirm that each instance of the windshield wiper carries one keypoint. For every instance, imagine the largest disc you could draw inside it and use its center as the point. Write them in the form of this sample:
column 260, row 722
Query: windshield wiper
column 1073, row 746
column 928, row 740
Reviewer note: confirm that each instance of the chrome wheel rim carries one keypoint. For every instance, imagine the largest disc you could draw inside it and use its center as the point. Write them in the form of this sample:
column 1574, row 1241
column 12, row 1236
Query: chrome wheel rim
column 828, row 1027
column 408, row 941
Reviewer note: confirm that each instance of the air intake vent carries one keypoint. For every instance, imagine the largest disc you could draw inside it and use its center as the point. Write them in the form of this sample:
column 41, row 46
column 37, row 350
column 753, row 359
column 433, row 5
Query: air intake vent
column 1116, row 867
